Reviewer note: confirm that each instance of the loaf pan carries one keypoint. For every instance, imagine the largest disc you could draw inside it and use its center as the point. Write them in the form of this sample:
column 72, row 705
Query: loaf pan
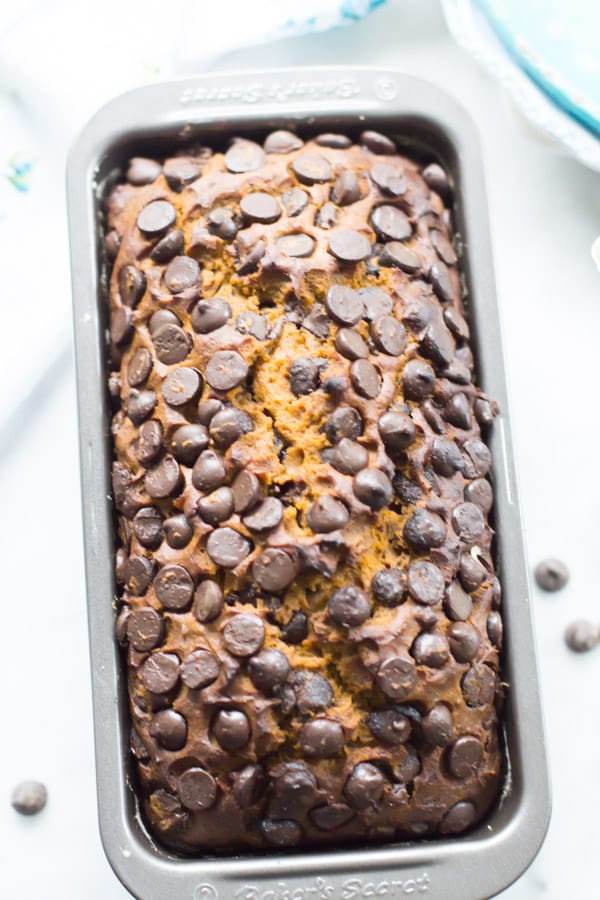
column 211, row 108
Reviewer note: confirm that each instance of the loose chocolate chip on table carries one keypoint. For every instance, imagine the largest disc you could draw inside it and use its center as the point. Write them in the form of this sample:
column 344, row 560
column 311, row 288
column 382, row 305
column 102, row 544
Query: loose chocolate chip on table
column 480, row 493
column 457, row 603
column 199, row 669
column 181, row 386
column 391, row 223
column 208, row 601
column 390, row 726
column 225, row 370
column 197, row 789
column 468, row 522
column 304, row 376
column 311, row 168
column 349, row 457
column 344, row 422
column 268, row 668
column 297, row 245
column 148, row 527
column 282, row 142
column 437, row 180
column 231, row 729
column 249, row 785
column 377, row 143
column 425, row 582
column 365, row 378
column 350, row 344
column 349, row 606
column 388, row 179
column 244, row 156
column 274, row 569
column 169, row 246
column 458, row 818
column 436, row 727
column 396, row 677
column 294, row 201
column 430, row 649
column 397, row 430
column 327, row 514
column 156, row 217
column 188, row 442
column 121, row 326
column 281, row 833
column 266, row 516
column 445, row 457
column 139, row 368
column 139, row 571
column 209, row 471
column 227, row 547
column 349, row 246
column 344, row 304
column 141, row 405
column 346, row 189
column 581, row 636
column 162, row 317
column 164, row 480
column 296, row 629
column 160, row 672
column 174, row 587
column 244, row 634
column 551, row 574
column 389, row 335
column 172, row 344
column 169, row 729
column 221, row 222
column 365, row 786
column 478, row 685
column 424, row 530
column 418, row 380
column 142, row 170
column 464, row 641
column 217, row 506
column 388, row 586
column 260, row 207
column 145, row 629
column 132, row 284
column 322, row 738
column 465, row 756
column 327, row 818
column 29, row 798
column 373, row 488
column 395, row 253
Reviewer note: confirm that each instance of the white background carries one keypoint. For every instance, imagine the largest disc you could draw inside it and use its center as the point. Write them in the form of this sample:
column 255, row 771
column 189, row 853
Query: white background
column 545, row 213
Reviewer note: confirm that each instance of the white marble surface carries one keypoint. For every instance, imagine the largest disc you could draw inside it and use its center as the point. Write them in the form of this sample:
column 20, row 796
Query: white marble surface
column 545, row 212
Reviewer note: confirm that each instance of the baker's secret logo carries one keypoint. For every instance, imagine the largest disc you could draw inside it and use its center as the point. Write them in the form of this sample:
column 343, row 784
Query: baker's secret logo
column 248, row 92
column 349, row 889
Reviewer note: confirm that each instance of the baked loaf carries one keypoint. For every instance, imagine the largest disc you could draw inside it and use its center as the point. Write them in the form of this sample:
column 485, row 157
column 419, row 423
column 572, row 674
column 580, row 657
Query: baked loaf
column 307, row 592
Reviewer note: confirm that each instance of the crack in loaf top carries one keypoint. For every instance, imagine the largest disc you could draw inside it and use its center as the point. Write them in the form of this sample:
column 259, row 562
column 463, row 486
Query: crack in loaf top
column 308, row 595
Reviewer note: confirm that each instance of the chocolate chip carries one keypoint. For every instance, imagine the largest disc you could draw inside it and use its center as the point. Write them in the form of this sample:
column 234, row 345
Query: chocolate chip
column 457, row 604
column 172, row 344
column 344, row 422
column 182, row 273
column 141, row 405
column 346, row 189
column 294, row 201
column 389, row 335
column 407, row 489
column 551, row 574
column 266, row 516
column 139, row 368
column 313, row 692
column 231, row 729
column 169, row 729
column 456, row 323
column 458, row 411
column 304, row 376
column 244, row 634
column 458, row 818
column 430, row 649
column 397, row 430
column 121, row 625
column 478, row 686
column 443, row 247
column 365, row 378
column 225, row 370
column 281, row 833
column 396, row 254
column 296, row 629
column 178, row 531
column 139, row 572
column 249, row 263
column 582, row 636
column 222, row 223
column 199, row 669
column 147, row 527
column 251, row 323
column 478, row 459
column 437, row 180
column 227, row 426
column 373, row 488
column 464, row 641
column 436, row 727
column 441, row 282
column 208, row 601
column 112, row 243
column 260, row 207
column 274, row 569
column 188, row 441
column 439, row 346
column 207, row 409
column 326, row 216
column 164, row 480
column 29, row 798
column 162, row 317
column 327, row 818
column 209, row 471
column 390, row 726
column 145, row 629
column 169, row 246
column 217, row 506
column 388, row 586
column 132, row 285
column 156, row 217
column 424, row 530
column 246, row 491
column 445, row 457
column 365, row 786
column 282, row 142
column 174, row 587
column 142, row 170
column 227, row 548
column 349, row 246
column 468, row 522
column 485, row 410
column 494, row 628
column 418, row 380
column 377, row 143
column 344, row 304
column 391, row 223
column 322, row 738
column 349, row 606
column 268, row 668
column 327, row 514
column 181, row 386
column 350, row 344
column 376, row 302
column 121, row 326
column 396, row 677
column 349, row 457
column 197, row 789
column 388, row 179
column 425, row 582
column 311, row 168
column 244, row 156
column 160, row 672
column 336, row 141
column 297, row 245
column 249, row 785
column 465, row 756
